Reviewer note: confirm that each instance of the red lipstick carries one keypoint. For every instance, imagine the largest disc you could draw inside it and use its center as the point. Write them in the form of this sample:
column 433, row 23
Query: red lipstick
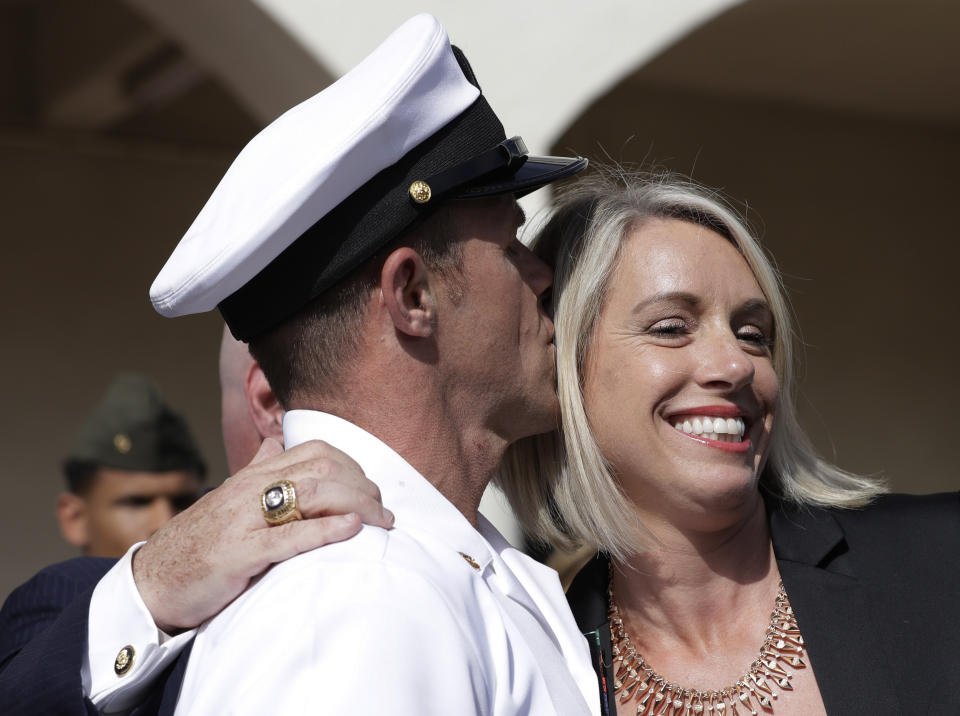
column 713, row 411
column 742, row 446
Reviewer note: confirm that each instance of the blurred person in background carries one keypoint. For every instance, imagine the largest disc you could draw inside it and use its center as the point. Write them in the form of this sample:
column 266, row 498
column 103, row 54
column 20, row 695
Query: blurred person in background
column 45, row 623
column 133, row 465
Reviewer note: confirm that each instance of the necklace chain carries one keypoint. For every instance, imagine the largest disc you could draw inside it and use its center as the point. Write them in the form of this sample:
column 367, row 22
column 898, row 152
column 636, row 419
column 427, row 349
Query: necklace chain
column 635, row 678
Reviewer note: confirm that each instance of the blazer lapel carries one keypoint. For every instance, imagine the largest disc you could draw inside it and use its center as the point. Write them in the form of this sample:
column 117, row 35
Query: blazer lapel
column 833, row 613
column 587, row 597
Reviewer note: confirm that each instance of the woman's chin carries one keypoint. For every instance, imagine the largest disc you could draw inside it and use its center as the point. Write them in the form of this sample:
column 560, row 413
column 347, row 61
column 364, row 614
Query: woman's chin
column 711, row 505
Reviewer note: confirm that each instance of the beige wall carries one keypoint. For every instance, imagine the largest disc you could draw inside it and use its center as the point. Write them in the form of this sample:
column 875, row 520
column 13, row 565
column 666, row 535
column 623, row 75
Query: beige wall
column 85, row 228
column 860, row 214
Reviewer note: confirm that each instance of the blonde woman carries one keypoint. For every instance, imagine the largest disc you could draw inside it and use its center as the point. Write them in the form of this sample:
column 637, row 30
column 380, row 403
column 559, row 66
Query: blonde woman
column 739, row 573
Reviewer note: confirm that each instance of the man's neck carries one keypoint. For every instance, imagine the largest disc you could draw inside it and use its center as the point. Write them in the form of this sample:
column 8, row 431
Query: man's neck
column 459, row 464
column 444, row 443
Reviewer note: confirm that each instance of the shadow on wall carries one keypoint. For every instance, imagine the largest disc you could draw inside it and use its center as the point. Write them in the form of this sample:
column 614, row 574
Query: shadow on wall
column 88, row 229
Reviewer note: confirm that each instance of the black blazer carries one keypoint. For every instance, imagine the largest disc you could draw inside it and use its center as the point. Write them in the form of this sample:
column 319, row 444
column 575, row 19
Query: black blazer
column 43, row 630
column 43, row 633
column 876, row 593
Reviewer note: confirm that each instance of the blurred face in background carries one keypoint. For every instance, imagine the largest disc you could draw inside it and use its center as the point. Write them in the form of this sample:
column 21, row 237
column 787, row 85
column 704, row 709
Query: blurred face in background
column 120, row 508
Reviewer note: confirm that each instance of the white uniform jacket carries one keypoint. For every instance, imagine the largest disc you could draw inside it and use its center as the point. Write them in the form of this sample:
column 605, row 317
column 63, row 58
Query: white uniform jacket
column 431, row 617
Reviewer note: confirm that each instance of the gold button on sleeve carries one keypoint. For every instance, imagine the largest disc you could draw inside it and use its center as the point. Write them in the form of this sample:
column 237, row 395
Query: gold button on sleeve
column 124, row 661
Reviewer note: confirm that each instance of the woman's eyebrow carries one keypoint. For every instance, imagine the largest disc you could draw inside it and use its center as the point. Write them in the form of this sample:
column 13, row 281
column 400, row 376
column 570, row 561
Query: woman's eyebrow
column 668, row 297
column 755, row 305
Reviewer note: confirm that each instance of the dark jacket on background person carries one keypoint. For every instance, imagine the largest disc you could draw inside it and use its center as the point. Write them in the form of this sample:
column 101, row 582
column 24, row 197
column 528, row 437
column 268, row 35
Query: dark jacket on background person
column 43, row 634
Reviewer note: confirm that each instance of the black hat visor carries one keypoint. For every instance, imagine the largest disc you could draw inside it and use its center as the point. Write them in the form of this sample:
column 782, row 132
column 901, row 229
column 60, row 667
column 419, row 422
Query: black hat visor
column 504, row 169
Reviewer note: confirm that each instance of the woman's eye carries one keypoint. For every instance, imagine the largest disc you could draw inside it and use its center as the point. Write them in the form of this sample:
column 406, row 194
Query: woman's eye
column 754, row 336
column 669, row 328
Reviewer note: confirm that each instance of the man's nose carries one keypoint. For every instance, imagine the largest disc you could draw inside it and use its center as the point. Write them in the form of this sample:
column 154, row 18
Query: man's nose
column 537, row 273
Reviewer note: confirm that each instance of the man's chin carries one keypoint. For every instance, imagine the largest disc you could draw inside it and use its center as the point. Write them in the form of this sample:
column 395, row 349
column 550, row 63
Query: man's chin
column 545, row 419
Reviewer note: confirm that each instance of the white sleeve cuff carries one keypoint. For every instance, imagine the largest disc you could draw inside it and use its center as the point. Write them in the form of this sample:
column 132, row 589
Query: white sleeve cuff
column 119, row 621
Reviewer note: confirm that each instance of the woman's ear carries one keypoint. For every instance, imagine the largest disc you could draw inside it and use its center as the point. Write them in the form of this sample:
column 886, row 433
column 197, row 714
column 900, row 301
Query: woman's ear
column 265, row 409
column 405, row 288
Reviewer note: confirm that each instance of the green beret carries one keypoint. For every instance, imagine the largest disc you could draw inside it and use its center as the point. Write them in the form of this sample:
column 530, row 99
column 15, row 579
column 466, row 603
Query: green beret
column 133, row 429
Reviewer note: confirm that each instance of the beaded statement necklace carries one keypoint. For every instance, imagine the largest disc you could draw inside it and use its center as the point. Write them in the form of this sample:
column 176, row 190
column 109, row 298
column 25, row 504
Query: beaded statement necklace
column 635, row 678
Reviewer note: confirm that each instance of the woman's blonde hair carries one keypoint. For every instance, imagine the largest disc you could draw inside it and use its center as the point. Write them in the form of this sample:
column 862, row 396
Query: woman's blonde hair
column 560, row 485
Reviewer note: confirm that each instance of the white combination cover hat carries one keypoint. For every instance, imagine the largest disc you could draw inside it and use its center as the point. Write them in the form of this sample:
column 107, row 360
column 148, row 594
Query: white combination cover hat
column 331, row 181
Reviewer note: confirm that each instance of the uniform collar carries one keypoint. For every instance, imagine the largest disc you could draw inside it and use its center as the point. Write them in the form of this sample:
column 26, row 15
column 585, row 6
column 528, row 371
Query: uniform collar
column 512, row 569
column 420, row 508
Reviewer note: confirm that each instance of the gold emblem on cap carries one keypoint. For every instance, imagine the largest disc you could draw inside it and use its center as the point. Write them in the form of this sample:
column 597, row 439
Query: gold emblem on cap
column 420, row 191
column 470, row 560
column 122, row 443
column 124, row 661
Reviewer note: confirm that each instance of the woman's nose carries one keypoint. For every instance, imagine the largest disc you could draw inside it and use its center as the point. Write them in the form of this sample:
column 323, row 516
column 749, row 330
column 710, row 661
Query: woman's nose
column 723, row 363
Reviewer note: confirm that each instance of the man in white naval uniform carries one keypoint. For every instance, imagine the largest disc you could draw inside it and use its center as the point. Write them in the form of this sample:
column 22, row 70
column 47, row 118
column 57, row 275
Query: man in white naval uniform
column 365, row 244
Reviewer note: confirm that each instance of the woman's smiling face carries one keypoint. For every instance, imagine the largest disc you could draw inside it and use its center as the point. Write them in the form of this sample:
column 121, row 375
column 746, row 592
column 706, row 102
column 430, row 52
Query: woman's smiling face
column 679, row 384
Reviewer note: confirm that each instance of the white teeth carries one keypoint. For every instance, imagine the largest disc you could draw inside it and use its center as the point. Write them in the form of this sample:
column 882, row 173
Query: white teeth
column 726, row 429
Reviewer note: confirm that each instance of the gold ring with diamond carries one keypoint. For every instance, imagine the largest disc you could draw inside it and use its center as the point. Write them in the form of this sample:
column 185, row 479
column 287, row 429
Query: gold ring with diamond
column 278, row 501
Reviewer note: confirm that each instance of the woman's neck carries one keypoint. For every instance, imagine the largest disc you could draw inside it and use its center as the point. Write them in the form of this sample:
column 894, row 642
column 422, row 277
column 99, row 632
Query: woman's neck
column 700, row 588
column 696, row 608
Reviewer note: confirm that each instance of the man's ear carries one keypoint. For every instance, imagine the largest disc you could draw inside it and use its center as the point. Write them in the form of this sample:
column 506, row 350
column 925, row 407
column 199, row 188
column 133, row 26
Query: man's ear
column 265, row 409
column 72, row 518
column 405, row 287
